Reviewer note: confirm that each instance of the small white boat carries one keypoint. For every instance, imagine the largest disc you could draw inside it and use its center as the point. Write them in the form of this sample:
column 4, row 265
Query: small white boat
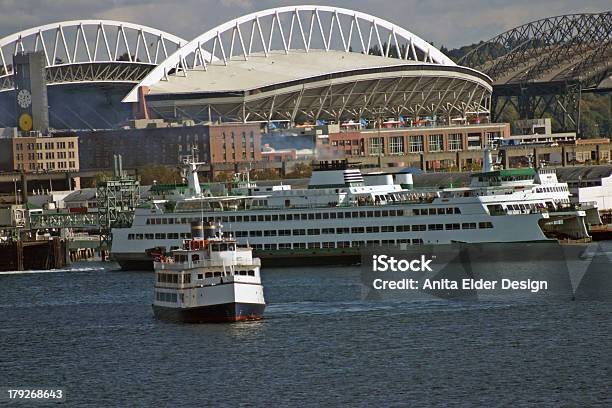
column 208, row 279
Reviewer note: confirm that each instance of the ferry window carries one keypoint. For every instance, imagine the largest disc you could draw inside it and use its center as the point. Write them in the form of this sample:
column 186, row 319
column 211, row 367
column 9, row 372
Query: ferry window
column 149, row 236
column 342, row 230
column 384, row 213
column 419, row 227
column 223, row 247
column 209, row 274
column 485, row 225
column 388, row 241
column 195, row 258
column 251, row 273
column 314, row 231
column 214, row 247
column 373, row 242
column 242, row 234
column 357, row 230
column 432, row 211
column 275, row 217
column 187, row 278
column 372, row 229
column 347, row 214
column 339, row 215
column 299, row 232
column 329, row 245
column 173, row 235
column 457, row 210
column 328, row 230
column 231, row 247
column 243, row 273
column 468, row 225
column 357, row 244
column 435, row 227
column 218, row 274
column 174, row 278
column 387, row 228
column 402, row 228
column 130, row 236
column 284, row 245
column 160, row 235
column 311, row 216
column 332, row 216
column 343, row 244
column 299, row 245
column 260, row 218
column 325, row 216
column 268, row 217
column 284, row 233
column 148, row 221
column 450, row 210
column 170, row 220
column 200, row 276
column 270, row 246
column 289, row 217
column 184, row 220
column 376, row 213
column 224, row 219
column 314, row 245
column 355, row 214
column 139, row 236
column 164, row 221
column 417, row 241
column 255, row 233
column 318, row 216
column 370, row 213
column 269, row 233
column 452, row 226
column 304, row 216
column 281, row 217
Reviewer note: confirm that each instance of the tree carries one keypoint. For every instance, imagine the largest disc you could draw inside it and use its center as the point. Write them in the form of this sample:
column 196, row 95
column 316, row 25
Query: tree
column 300, row 170
column 97, row 178
column 265, row 174
column 160, row 174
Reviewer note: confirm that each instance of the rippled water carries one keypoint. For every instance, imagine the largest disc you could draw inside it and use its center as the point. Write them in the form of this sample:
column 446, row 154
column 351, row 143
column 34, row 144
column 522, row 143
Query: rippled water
column 92, row 331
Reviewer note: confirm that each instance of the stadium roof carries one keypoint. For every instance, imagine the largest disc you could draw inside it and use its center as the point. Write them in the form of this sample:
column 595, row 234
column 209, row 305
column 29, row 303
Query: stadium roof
column 307, row 63
column 280, row 68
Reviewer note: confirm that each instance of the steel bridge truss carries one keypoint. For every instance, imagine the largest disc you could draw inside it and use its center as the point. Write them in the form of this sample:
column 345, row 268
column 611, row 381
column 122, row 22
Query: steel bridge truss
column 543, row 67
column 90, row 51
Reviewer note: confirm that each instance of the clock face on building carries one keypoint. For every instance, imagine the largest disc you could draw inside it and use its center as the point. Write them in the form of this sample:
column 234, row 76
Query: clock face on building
column 25, row 122
column 24, row 98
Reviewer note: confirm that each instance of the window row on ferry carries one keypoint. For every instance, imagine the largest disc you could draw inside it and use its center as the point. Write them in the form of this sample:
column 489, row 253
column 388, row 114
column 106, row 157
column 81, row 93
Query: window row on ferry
column 310, row 216
column 332, row 245
column 366, row 230
column 558, row 189
column 340, row 230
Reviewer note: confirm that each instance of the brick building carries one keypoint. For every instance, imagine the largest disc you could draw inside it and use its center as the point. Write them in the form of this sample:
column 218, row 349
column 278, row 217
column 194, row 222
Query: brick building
column 45, row 153
column 413, row 140
column 167, row 145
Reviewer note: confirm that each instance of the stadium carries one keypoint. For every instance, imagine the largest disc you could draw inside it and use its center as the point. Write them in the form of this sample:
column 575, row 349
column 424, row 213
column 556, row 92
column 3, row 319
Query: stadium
column 291, row 64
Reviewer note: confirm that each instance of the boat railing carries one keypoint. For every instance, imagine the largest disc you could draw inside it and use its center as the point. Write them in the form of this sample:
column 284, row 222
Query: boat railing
column 169, row 263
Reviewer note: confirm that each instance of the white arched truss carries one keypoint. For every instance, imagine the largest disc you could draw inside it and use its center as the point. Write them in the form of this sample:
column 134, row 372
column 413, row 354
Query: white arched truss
column 294, row 29
column 90, row 51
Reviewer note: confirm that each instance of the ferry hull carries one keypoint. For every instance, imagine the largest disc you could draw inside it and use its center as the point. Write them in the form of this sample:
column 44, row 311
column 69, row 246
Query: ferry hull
column 220, row 313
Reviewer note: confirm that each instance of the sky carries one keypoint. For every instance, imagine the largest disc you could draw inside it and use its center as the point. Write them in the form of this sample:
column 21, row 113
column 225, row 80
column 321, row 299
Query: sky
column 445, row 22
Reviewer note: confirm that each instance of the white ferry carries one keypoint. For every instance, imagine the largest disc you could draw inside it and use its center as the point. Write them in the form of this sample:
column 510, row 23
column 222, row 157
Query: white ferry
column 208, row 279
column 343, row 210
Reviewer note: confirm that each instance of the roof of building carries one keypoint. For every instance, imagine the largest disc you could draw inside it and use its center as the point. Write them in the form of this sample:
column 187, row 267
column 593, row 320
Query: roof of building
column 278, row 67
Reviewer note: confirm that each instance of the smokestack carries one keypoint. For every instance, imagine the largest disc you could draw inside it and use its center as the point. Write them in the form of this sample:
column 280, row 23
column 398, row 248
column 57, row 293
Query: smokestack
column 120, row 165
column 487, row 161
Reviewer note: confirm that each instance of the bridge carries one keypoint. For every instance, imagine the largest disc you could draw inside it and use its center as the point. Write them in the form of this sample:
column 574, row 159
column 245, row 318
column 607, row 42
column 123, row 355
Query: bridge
column 543, row 67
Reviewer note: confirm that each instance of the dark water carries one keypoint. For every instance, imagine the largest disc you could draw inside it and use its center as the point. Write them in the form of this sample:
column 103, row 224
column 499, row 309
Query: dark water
column 93, row 333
